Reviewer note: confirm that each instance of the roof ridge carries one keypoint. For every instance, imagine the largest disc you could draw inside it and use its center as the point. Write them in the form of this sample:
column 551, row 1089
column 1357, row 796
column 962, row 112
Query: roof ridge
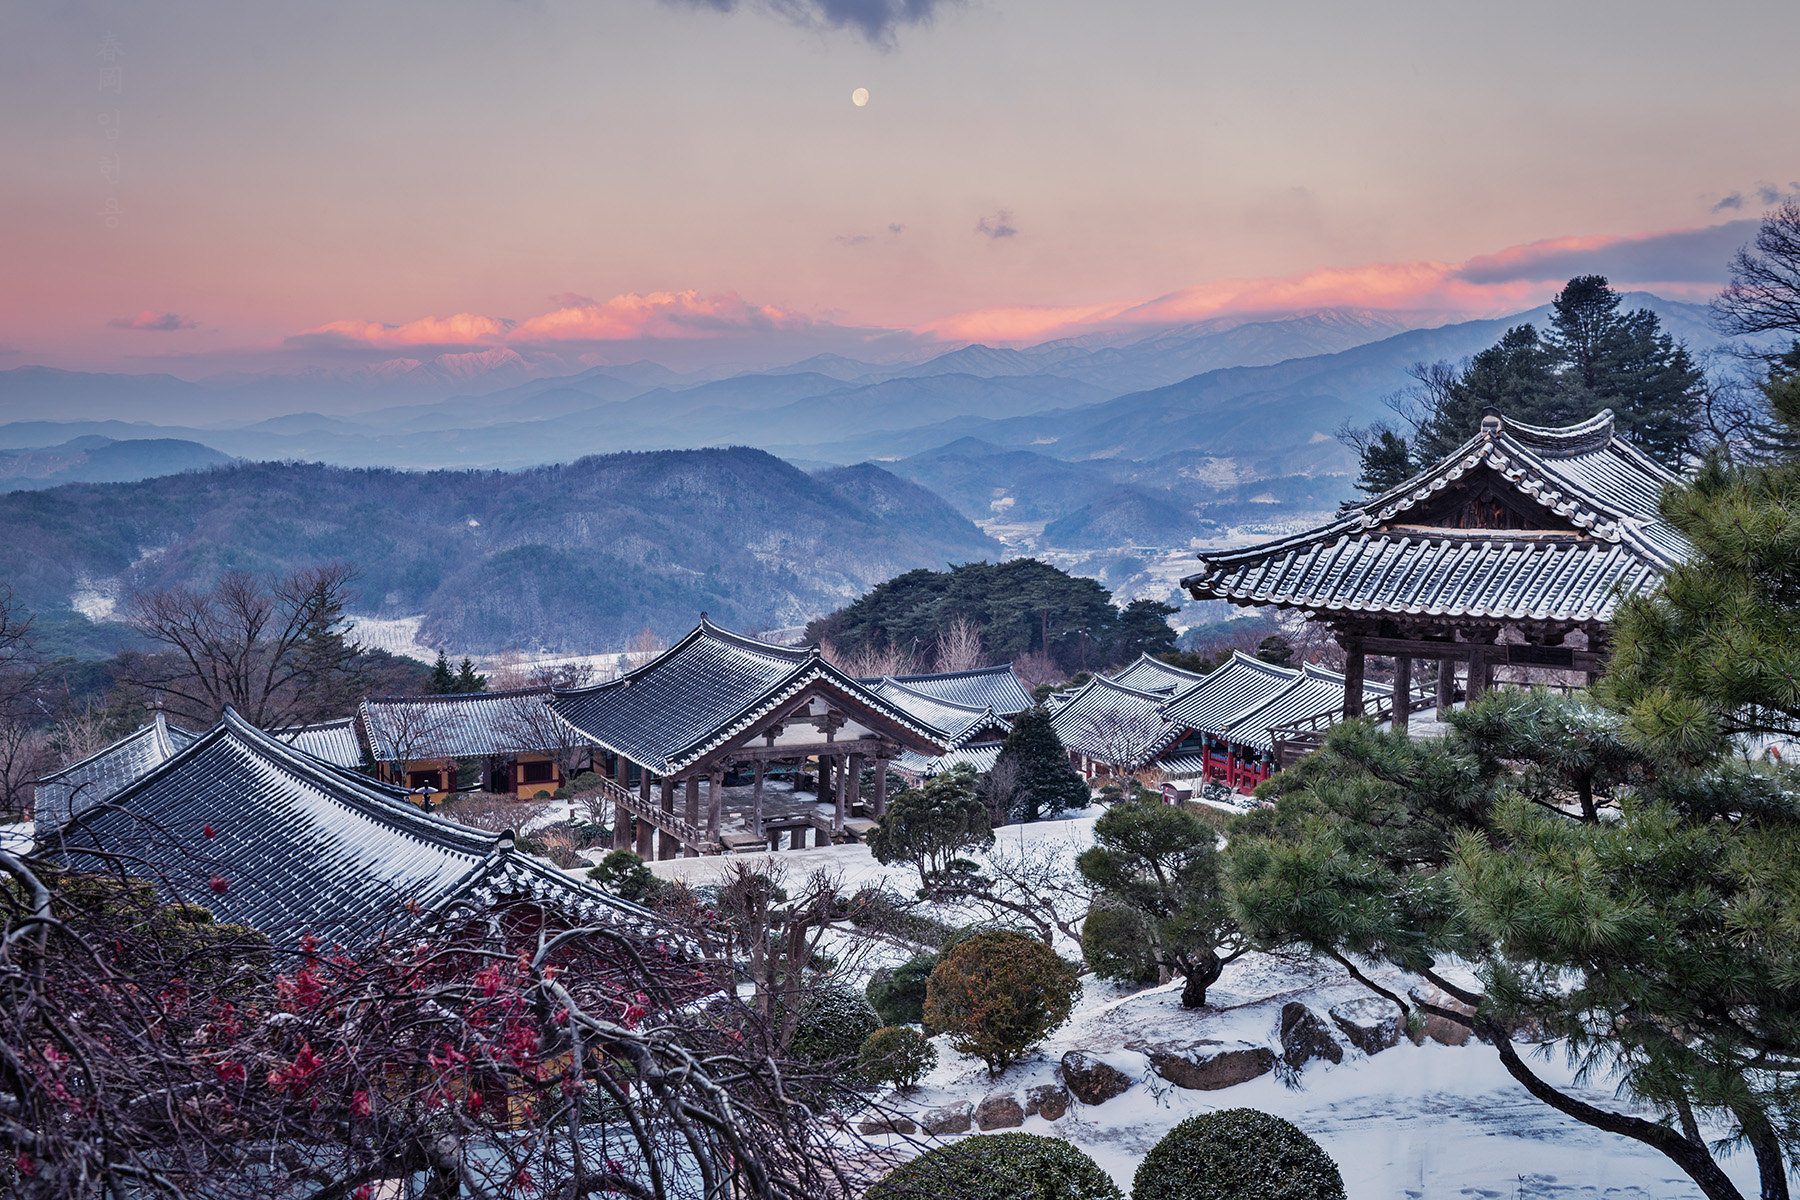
column 996, row 669
column 146, row 729
column 889, row 680
column 452, row 697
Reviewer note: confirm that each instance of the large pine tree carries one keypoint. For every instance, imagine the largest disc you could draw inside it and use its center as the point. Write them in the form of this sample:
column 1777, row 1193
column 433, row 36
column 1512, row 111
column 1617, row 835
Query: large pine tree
column 1034, row 768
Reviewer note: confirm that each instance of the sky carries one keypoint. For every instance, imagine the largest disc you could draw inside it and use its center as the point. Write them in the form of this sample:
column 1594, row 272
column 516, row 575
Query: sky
column 213, row 187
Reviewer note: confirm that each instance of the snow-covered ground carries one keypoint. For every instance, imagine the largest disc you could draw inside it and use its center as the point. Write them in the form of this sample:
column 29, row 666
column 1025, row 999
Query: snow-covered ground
column 1413, row 1122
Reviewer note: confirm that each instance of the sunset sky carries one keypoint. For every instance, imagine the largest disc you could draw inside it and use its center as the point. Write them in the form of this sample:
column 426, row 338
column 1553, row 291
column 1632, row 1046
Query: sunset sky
column 331, row 184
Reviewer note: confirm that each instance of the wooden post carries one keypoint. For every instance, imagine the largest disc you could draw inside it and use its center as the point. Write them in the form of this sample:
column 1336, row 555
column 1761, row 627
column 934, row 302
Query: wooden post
column 715, row 802
column 646, row 848
column 1478, row 674
column 853, row 781
column 644, row 799
column 1353, row 677
column 621, row 829
column 756, row 798
column 622, row 771
column 1446, row 687
column 823, row 788
column 881, row 766
column 838, row 799
column 1402, row 691
column 666, row 844
column 693, row 814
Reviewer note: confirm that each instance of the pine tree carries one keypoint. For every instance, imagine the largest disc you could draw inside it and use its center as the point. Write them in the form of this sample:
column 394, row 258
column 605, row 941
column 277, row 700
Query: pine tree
column 443, row 679
column 1033, row 761
column 467, row 681
column 1623, row 361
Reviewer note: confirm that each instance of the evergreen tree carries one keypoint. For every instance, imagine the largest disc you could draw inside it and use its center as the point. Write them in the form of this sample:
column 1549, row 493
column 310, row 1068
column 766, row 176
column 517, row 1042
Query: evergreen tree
column 1160, row 862
column 931, row 826
column 1034, row 765
column 467, row 681
column 443, row 679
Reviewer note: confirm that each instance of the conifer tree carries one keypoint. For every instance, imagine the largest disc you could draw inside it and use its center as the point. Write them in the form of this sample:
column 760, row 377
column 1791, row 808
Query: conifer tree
column 1033, row 761
column 443, row 679
column 467, row 681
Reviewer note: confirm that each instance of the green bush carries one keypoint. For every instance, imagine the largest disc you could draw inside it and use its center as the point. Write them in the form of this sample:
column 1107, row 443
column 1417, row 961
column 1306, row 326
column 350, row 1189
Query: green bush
column 998, row 994
column 834, row 1023
column 898, row 1054
column 624, row 874
column 999, row 1166
column 1115, row 940
column 1237, row 1154
column 900, row 996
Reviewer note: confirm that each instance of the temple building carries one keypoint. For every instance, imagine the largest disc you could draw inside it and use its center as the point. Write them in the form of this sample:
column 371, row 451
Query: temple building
column 265, row 835
column 718, row 703
column 507, row 742
column 973, row 734
column 1514, row 551
column 998, row 688
column 95, row 779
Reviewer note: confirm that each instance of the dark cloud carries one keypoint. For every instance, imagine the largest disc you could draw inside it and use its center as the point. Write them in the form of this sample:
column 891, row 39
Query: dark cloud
column 1770, row 193
column 154, row 322
column 876, row 20
column 1687, row 256
column 1730, row 203
column 1001, row 226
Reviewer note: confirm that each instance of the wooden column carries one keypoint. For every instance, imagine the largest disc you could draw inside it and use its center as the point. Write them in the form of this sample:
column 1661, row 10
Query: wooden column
column 715, row 802
column 622, row 771
column 1353, row 677
column 1446, row 686
column 646, row 849
column 644, row 800
column 756, row 797
column 1478, row 674
column 853, row 781
column 837, row 799
column 823, row 788
column 621, row 830
column 693, row 814
column 1402, row 691
column 666, row 845
column 881, row 770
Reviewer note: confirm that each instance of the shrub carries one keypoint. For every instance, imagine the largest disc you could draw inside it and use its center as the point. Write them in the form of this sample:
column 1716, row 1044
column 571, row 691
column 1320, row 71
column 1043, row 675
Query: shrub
column 1115, row 940
column 897, row 1054
column 998, row 993
column 624, row 874
column 834, row 1023
column 1000, row 1166
column 1237, row 1154
column 900, row 997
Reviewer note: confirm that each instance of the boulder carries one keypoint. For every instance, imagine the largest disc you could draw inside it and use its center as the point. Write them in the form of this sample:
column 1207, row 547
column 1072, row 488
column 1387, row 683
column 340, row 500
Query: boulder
column 893, row 1123
column 999, row 1111
column 1207, row 1066
column 1048, row 1100
column 952, row 1118
column 1091, row 1081
column 1371, row 1023
column 1443, row 1030
column 1305, row 1036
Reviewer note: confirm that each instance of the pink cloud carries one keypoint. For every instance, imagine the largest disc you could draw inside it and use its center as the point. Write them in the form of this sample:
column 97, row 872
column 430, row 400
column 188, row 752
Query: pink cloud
column 154, row 322
column 463, row 329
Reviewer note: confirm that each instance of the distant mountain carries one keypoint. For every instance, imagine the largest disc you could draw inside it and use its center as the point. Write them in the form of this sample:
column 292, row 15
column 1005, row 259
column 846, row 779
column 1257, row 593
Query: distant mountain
column 573, row 558
column 93, row 459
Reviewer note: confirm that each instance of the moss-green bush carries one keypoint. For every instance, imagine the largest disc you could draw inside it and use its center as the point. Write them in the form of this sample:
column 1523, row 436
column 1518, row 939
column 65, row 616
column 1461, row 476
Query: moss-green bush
column 834, row 1023
column 1237, row 1154
column 1116, row 943
column 999, row 1166
column 624, row 874
column 897, row 1054
column 900, row 996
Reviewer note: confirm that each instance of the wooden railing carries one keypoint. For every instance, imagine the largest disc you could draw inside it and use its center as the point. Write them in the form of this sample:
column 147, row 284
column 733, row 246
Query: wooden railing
column 628, row 803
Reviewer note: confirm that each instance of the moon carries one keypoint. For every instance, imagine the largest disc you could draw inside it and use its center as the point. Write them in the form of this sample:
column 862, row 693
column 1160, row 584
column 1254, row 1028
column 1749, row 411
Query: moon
column 859, row 97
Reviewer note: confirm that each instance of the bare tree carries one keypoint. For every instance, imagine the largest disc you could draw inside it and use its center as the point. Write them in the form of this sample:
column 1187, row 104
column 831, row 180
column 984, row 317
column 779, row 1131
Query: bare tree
column 23, row 752
column 24, row 757
column 1037, row 668
column 532, row 726
column 409, row 731
column 1036, row 883
column 641, row 650
column 491, row 1050
column 959, row 646
column 869, row 662
column 1764, row 293
column 276, row 652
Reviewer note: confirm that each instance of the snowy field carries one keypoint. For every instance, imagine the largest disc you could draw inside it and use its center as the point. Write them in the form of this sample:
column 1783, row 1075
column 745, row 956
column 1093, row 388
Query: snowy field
column 1413, row 1122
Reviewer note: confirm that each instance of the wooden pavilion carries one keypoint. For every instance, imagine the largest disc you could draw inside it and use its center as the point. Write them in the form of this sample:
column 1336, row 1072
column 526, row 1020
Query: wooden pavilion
column 1514, row 550
column 718, row 702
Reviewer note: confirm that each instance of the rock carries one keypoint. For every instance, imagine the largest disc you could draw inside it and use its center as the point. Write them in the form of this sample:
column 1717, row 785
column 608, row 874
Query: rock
column 1443, row 1030
column 1305, row 1036
column 1207, row 1066
column 1091, row 1081
column 952, row 1118
column 888, row 1124
column 999, row 1111
column 1049, row 1101
column 1372, row 1024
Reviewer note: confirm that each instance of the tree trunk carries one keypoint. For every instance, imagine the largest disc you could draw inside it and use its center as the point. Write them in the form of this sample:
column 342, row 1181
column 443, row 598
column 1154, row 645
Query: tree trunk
column 1200, row 976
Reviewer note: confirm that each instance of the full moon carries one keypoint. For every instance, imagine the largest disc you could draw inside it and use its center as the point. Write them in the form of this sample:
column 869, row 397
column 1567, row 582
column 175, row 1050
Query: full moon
column 859, row 97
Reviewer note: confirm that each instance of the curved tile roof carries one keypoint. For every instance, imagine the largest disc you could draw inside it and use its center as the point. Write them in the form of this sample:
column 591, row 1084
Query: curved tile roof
column 962, row 722
column 333, row 741
column 1153, row 675
column 302, row 846
column 1108, row 722
column 708, row 688
column 997, row 688
column 96, row 778
column 475, row 725
column 1371, row 560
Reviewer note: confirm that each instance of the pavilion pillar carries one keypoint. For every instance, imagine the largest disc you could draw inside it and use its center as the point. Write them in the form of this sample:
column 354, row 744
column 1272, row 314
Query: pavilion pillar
column 1402, row 692
column 756, row 797
column 1353, row 677
column 853, row 781
column 1446, row 687
column 646, row 833
column 715, row 802
column 823, row 788
column 839, row 796
column 1479, row 677
column 622, row 771
column 693, row 814
column 644, row 800
column 621, row 829
column 881, row 766
column 666, row 844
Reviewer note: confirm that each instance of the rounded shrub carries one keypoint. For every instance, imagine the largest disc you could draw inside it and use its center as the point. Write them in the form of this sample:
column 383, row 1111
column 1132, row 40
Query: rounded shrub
column 900, row 997
column 834, row 1023
column 1000, row 1166
column 624, row 874
column 1116, row 942
column 1237, row 1154
column 998, row 993
column 897, row 1054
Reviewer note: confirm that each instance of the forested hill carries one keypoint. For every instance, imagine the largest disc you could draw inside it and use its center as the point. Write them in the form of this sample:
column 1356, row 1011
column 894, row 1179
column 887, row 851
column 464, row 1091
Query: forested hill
column 573, row 557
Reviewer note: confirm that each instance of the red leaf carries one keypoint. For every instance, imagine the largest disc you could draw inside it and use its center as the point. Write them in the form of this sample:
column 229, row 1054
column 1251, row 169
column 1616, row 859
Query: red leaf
column 219, row 884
